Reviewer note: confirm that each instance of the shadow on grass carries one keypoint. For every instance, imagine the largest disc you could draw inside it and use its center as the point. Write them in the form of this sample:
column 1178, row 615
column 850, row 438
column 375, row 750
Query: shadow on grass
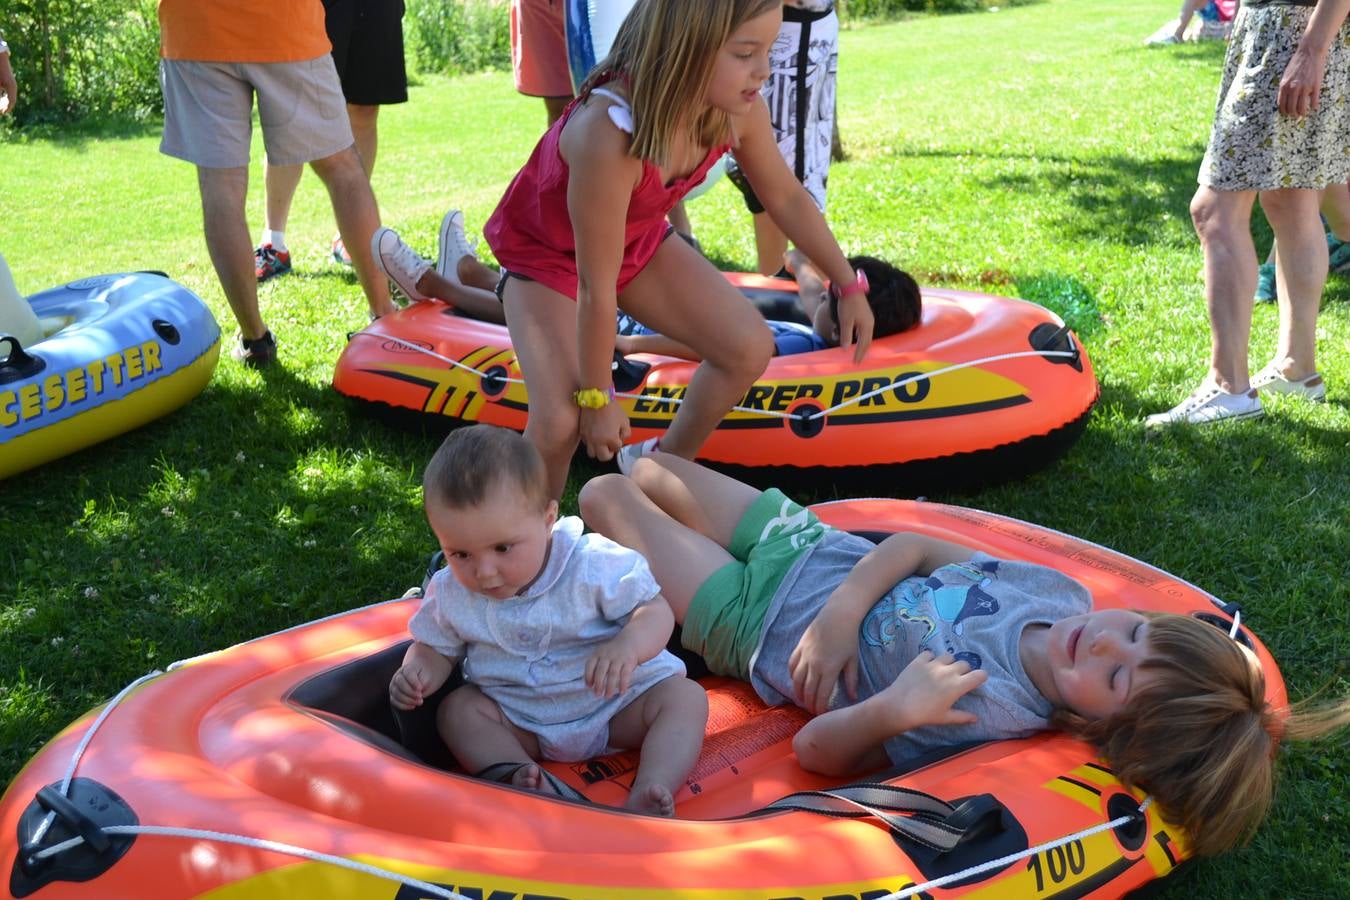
column 1113, row 199
column 80, row 135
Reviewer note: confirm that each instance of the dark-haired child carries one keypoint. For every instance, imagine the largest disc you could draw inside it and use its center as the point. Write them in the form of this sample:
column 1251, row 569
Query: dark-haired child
column 892, row 294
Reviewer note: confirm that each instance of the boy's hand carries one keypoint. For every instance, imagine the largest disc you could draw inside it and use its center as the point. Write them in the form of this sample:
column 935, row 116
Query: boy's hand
column 609, row 670
column 423, row 672
column 824, row 651
column 409, row 686
column 925, row 691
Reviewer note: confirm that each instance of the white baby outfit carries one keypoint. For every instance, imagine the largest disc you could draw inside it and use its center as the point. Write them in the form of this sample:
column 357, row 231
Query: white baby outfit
column 528, row 653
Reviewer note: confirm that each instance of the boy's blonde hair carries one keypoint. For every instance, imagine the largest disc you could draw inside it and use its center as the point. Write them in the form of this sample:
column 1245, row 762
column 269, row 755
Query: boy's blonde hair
column 1200, row 736
column 472, row 461
column 666, row 51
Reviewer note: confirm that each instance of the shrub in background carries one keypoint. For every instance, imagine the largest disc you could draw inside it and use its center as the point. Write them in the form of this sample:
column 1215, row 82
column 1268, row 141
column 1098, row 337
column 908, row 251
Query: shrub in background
column 456, row 36
column 81, row 58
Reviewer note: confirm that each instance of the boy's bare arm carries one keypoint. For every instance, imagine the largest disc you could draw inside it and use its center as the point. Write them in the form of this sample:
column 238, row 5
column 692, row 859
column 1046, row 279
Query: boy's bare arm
column 829, row 646
column 849, row 740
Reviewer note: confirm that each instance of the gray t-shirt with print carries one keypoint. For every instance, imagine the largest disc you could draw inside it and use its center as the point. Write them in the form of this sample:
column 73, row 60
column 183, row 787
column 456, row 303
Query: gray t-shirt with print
column 975, row 611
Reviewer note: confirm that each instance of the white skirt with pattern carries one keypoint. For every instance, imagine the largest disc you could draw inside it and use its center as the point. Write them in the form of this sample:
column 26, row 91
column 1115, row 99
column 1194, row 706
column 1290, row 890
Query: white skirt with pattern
column 1253, row 147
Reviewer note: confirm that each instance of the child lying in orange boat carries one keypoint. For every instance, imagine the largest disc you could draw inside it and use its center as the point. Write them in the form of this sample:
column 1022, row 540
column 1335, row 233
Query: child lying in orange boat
column 960, row 647
column 892, row 294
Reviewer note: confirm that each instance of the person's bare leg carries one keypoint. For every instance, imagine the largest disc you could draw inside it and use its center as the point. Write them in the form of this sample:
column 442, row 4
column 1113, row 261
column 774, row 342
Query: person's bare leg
column 679, row 515
column 1336, row 208
column 554, row 106
column 227, row 241
column 543, row 326
column 682, row 296
column 365, row 132
column 1222, row 222
column 667, row 722
column 475, row 302
column 770, row 244
column 357, row 218
column 479, row 735
column 1301, row 274
column 1188, row 10
column 279, row 184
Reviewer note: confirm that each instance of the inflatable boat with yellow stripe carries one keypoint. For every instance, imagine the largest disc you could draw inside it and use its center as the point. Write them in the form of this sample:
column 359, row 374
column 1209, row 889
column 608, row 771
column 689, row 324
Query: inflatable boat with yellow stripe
column 985, row 388
column 120, row 351
column 276, row 769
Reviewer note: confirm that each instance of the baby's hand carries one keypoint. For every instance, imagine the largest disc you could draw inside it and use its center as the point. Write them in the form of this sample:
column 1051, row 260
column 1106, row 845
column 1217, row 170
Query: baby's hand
column 610, row 668
column 929, row 685
column 409, row 686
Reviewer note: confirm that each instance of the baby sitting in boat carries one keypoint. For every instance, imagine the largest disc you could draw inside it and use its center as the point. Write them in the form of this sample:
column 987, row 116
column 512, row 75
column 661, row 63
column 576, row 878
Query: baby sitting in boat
column 561, row 634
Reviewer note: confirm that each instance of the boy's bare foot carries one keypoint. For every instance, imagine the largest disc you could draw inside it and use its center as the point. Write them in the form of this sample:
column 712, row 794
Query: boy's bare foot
column 793, row 259
column 531, row 778
column 654, row 799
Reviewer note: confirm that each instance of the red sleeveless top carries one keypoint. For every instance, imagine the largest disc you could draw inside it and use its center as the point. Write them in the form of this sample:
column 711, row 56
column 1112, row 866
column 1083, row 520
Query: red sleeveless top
column 531, row 234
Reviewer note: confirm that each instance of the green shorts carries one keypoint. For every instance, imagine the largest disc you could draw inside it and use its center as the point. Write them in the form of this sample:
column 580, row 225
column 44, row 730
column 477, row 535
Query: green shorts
column 726, row 616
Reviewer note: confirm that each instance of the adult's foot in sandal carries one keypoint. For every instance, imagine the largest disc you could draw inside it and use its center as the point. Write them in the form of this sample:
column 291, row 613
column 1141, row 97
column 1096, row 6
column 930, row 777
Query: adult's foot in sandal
column 654, row 799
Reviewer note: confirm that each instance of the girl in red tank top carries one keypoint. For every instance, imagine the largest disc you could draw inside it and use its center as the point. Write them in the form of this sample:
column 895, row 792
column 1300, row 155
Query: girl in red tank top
column 581, row 231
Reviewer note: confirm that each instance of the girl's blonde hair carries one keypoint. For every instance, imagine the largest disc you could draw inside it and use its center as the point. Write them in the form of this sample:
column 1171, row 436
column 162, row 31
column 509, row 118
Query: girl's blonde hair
column 666, row 51
column 1200, row 736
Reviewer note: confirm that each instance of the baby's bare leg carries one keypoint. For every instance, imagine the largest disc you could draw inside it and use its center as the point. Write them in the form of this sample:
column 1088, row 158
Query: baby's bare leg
column 667, row 722
column 479, row 735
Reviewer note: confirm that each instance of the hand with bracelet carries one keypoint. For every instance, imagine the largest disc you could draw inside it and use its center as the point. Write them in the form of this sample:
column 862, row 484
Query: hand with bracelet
column 603, row 423
column 853, row 314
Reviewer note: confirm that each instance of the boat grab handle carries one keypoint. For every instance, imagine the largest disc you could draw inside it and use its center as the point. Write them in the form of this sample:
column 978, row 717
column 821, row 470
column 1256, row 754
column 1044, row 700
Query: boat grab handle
column 931, row 822
column 17, row 363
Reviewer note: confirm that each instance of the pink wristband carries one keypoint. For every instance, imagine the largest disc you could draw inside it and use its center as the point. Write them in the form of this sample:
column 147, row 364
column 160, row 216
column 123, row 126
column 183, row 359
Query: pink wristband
column 857, row 286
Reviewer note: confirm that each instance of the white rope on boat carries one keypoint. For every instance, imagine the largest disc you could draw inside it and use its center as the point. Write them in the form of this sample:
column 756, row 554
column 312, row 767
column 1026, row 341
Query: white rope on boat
column 84, row 744
column 817, row 414
column 259, row 844
column 435, row 890
column 198, row 834
column 1014, row 857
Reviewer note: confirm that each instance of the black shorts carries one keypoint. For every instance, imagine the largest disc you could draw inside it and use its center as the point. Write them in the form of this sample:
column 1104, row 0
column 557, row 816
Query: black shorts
column 367, row 38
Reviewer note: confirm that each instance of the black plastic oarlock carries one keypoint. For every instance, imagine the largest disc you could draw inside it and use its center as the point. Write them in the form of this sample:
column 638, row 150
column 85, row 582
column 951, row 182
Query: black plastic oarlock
column 86, row 811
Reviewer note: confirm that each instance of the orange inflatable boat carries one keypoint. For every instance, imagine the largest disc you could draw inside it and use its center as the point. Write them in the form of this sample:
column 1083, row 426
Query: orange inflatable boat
column 985, row 388
column 274, row 769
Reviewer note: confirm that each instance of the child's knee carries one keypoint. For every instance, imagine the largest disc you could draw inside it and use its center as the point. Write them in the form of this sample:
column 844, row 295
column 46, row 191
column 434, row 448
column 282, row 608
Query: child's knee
column 602, row 494
column 466, row 704
column 554, row 431
column 689, row 699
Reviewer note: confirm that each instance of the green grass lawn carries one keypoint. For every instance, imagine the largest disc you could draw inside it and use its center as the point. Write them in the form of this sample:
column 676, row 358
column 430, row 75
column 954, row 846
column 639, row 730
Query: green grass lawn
column 1041, row 151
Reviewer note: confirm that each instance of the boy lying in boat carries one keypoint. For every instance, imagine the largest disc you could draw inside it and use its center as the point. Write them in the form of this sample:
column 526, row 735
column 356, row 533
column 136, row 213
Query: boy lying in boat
column 562, row 635
column 917, row 643
column 461, row 279
column 892, row 294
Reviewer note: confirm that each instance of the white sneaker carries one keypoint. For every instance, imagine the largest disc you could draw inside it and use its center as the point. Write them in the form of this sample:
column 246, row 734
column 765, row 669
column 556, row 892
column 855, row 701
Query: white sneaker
column 454, row 246
column 1209, row 404
column 1270, row 380
column 397, row 260
column 629, row 454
